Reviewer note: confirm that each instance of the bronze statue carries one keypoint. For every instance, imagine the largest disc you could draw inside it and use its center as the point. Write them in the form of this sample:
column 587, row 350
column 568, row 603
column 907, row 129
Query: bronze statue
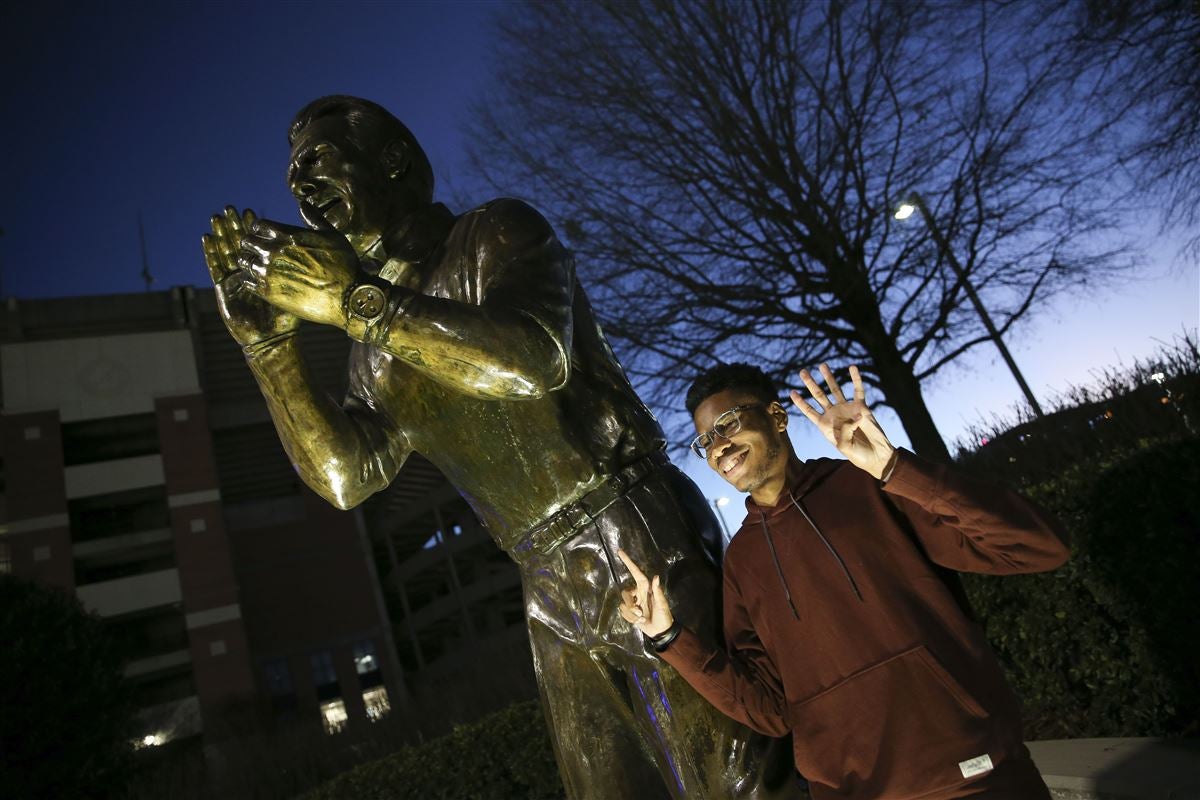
column 478, row 348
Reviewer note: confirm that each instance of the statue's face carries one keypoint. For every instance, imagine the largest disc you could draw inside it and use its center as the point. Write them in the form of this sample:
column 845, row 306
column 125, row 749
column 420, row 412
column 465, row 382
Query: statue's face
column 349, row 188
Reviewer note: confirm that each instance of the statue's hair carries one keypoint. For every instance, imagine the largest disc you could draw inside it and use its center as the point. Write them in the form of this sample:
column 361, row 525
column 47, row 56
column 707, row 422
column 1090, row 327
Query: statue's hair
column 372, row 127
column 743, row 377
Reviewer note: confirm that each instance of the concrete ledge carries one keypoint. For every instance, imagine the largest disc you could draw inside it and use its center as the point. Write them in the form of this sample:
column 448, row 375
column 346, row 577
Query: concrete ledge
column 1120, row 769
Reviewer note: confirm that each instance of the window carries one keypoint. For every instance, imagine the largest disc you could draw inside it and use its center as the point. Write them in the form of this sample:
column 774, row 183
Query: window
column 279, row 686
column 366, row 664
column 333, row 716
column 376, row 703
column 325, row 676
column 129, row 511
column 110, row 438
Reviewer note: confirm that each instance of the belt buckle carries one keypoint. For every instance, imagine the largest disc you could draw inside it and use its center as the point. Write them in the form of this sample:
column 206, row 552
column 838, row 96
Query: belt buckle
column 564, row 524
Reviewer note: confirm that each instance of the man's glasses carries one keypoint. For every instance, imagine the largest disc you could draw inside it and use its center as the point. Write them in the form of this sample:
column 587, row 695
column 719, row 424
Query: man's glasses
column 725, row 426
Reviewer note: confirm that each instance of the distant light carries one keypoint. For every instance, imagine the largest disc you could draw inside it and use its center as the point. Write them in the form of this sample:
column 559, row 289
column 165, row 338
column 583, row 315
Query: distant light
column 1158, row 377
column 905, row 210
column 153, row 740
column 722, row 502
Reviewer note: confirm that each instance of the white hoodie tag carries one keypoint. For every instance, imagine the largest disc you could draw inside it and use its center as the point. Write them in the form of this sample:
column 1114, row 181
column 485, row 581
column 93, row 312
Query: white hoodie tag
column 976, row 766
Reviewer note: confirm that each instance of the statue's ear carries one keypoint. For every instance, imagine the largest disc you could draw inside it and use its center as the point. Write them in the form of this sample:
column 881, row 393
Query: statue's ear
column 396, row 159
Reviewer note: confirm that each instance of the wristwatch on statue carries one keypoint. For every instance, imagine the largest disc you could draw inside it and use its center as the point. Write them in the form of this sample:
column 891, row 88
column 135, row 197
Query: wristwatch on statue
column 366, row 303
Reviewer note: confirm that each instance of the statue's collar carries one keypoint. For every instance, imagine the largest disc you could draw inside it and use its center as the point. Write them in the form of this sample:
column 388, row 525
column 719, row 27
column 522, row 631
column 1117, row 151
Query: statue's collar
column 419, row 234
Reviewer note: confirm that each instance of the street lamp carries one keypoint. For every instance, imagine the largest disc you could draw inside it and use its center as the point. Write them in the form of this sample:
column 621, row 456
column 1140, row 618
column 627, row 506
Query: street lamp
column 718, row 503
column 904, row 211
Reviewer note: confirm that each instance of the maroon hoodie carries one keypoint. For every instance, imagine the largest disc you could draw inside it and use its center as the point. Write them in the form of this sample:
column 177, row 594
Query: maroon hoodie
column 842, row 629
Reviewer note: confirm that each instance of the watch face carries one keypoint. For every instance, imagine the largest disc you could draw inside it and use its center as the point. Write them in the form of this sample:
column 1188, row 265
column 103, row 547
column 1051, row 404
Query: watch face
column 367, row 302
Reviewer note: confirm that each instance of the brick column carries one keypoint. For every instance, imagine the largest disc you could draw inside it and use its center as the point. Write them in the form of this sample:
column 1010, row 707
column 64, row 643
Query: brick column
column 216, row 633
column 36, row 528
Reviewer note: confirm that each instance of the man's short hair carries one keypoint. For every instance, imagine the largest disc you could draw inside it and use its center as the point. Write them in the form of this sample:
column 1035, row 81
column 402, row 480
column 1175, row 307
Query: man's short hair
column 372, row 127
column 743, row 377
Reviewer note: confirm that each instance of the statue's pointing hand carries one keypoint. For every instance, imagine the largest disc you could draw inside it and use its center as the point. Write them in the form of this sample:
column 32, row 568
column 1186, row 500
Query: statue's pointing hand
column 302, row 271
column 249, row 319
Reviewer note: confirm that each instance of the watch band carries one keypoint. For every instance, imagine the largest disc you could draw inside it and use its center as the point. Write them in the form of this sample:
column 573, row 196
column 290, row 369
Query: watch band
column 365, row 304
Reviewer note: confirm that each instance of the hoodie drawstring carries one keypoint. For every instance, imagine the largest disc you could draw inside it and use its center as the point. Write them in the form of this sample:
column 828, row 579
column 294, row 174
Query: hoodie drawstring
column 828, row 546
column 762, row 518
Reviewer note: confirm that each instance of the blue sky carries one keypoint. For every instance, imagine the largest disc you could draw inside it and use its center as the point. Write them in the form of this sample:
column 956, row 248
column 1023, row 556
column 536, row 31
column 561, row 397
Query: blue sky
column 172, row 110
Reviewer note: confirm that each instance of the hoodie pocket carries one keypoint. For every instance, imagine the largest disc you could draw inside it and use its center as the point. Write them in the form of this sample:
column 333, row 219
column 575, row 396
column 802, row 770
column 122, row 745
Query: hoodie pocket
column 897, row 729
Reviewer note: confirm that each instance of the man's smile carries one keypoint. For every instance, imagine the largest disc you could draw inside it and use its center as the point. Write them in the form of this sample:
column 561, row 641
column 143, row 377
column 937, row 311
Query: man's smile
column 731, row 461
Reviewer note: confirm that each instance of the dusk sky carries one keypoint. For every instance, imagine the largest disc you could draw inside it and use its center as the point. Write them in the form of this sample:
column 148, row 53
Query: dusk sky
column 172, row 110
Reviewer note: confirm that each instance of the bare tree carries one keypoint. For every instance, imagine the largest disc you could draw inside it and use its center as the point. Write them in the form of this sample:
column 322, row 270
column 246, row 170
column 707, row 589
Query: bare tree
column 1144, row 56
column 726, row 172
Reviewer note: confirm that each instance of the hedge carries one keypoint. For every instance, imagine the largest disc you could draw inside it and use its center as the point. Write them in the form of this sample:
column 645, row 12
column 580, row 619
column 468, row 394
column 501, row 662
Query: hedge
column 503, row 755
column 1107, row 644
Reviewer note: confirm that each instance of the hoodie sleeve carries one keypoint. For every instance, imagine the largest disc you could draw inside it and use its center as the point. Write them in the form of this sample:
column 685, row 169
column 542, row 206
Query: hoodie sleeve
column 971, row 526
column 741, row 682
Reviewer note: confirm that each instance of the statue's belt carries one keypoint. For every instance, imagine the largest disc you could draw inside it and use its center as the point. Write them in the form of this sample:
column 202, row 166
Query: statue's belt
column 567, row 522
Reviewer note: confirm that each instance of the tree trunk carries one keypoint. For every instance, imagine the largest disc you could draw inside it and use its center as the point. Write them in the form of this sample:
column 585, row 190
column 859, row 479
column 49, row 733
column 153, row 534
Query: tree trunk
column 901, row 388
column 903, row 393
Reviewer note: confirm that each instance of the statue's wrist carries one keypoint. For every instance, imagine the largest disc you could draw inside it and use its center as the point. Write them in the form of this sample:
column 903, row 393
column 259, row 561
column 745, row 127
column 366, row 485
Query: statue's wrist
column 365, row 305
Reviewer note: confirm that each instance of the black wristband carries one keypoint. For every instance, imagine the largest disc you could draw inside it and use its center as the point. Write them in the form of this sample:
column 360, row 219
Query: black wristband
column 663, row 640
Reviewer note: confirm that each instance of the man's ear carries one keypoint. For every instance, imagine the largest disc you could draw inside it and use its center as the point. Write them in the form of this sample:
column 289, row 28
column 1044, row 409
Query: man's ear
column 779, row 415
column 396, row 159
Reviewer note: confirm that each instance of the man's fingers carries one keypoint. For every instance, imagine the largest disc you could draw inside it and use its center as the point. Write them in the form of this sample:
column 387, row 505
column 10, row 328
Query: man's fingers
column 660, row 597
column 856, row 377
column 639, row 577
column 814, row 389
column 831, row 382
column 807, row 410
column 630, row 616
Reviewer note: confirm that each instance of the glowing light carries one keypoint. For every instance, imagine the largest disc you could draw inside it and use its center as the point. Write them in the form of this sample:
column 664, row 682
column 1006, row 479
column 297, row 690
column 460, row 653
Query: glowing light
column 333, row 716
column 376, row 703
column 1158, row 377
column 152, row 740
column 905, row 210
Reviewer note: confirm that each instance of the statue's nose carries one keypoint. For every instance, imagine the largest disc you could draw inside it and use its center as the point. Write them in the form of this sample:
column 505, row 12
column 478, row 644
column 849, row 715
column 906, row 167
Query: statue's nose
column 303, row 189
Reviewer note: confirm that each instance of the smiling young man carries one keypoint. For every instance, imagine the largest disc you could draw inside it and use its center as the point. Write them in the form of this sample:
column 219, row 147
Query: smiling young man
column 844, row 621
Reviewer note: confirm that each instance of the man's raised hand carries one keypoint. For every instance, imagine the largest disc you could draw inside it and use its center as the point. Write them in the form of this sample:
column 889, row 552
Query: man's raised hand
column 645, row 605
column 250, row 319
column 849, row 425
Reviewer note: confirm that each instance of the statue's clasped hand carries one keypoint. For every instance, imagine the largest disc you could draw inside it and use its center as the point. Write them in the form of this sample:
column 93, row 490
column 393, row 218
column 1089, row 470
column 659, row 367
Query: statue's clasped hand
column 302, row 271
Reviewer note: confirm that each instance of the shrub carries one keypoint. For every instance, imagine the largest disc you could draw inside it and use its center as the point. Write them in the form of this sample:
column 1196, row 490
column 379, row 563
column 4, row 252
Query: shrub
column 66, row 721
column 1107, row 644
column 503, row 755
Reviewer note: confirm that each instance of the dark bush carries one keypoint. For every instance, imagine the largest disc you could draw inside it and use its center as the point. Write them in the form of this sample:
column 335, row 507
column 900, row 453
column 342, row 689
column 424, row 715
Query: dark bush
column 503, row 755
column 1106, row 645
column 65, row 715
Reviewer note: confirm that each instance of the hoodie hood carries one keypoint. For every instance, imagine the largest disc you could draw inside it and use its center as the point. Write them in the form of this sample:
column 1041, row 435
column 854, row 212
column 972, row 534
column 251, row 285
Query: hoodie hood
column 802, row 477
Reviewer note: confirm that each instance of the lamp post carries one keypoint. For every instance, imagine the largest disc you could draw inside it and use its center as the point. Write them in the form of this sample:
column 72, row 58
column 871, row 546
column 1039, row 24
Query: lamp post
column 918, row 204
column 717, row 504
